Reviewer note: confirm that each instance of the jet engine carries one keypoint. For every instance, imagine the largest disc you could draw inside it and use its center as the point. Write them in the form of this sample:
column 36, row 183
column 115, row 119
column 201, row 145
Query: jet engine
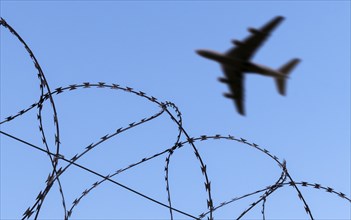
column 223, row 80
column 253, row 30
column 237, row 42
column 229, row 96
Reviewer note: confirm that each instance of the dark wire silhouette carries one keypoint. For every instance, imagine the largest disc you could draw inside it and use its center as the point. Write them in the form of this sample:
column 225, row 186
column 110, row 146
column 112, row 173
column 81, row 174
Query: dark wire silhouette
column 175, row 115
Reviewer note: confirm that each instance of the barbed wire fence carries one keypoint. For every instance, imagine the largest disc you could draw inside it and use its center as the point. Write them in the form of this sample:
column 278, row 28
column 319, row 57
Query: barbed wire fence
column 182, row 139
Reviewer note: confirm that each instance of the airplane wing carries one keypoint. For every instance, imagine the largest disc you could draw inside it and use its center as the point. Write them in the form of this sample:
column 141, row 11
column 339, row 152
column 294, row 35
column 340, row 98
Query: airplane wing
column 246, row 48
column 235, row 81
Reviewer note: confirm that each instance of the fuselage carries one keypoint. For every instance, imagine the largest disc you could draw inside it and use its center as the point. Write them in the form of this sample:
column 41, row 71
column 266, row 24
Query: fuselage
column 263, row 70
column 242, row 65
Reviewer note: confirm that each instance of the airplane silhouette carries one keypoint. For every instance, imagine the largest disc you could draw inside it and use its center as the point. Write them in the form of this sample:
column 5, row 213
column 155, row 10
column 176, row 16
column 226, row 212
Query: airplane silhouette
column 235, row 62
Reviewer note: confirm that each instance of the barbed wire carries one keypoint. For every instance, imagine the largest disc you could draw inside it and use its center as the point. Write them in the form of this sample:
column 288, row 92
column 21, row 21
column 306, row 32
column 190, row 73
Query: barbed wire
column 175, row 115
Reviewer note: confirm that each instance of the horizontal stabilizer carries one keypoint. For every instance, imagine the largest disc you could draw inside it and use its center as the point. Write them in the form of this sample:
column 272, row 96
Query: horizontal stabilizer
column 285, row 69
column 288, row 67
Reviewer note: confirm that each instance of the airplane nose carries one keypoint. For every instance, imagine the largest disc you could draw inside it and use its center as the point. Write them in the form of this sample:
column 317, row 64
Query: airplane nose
column 200, row 52
column 207, row 54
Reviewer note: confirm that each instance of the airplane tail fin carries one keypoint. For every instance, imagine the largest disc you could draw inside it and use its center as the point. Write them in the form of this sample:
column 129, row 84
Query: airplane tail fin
column 285, row 69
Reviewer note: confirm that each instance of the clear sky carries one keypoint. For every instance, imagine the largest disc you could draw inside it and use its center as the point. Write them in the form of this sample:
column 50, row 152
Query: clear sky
column 150, row 47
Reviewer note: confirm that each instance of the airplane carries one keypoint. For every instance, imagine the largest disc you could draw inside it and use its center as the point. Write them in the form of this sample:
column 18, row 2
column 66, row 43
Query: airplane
column 236, row 62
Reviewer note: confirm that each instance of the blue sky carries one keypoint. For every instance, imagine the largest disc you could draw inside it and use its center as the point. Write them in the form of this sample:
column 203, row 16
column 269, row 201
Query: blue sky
column 150, row 46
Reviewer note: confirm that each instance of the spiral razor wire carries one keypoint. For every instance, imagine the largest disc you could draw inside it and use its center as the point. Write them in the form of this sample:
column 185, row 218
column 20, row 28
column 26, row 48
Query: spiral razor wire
column 182, row 139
